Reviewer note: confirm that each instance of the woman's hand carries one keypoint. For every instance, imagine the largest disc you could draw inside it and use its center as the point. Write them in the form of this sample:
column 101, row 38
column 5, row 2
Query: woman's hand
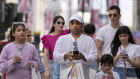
column 47, row 74
column 42, row 75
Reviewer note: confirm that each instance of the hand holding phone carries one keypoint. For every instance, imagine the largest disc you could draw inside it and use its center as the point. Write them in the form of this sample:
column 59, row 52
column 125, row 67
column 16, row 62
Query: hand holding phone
column 76, row 52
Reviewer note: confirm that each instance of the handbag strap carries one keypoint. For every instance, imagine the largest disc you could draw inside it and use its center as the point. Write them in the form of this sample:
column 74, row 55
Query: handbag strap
column 126, row 72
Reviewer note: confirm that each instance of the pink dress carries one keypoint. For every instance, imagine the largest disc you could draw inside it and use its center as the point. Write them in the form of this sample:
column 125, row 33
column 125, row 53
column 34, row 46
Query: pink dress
column 50, row 40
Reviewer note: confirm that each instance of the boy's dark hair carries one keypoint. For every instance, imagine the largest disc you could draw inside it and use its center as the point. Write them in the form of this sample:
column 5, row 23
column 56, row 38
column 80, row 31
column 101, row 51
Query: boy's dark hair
column 89, row 29
column 107, row 58
column 114, row 7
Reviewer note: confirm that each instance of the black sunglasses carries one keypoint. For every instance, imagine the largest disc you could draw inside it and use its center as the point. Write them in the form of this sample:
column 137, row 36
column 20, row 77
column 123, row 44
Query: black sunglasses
column 63, row 23
column 114, row 15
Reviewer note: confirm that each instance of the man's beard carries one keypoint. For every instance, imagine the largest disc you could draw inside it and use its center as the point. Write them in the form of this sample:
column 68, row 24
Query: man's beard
column 76, row 33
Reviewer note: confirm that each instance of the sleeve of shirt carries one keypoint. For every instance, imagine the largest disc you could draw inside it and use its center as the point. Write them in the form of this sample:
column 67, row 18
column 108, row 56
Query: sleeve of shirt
column 116, row 75
column 36, row 60
column 58, row 54
column 91, row 53
column 6, row 65
column 137, row 51
column 100, row 34
column 66, row 31
column 45, row 42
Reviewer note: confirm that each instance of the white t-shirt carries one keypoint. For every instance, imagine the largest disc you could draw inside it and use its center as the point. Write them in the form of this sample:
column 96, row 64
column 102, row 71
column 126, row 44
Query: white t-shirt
column 132, row 50
column 85, row 45
column 106, row 34
column 100, row 74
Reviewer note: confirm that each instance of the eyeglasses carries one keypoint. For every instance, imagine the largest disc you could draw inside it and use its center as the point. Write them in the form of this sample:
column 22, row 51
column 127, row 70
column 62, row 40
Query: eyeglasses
column 29, row 35
column 63, row 23
column 114, row 15
column 75, row 46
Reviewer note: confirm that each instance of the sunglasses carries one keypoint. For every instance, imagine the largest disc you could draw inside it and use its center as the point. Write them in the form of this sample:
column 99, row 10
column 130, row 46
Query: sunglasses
column 75, row 46
column 29, row 35
column 18, row 23
column 114, row 15
column 63, row 23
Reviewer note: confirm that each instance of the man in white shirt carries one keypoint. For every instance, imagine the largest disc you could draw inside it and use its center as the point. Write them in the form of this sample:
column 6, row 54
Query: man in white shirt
column 106, row 34
column 75, row 41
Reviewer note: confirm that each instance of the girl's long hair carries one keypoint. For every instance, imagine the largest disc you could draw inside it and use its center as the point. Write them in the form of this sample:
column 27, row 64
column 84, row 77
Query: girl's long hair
column 116, row 42
column 54, row 21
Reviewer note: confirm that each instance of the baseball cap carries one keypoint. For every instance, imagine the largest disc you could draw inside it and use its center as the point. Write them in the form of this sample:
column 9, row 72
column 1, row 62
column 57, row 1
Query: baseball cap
column 76, row 17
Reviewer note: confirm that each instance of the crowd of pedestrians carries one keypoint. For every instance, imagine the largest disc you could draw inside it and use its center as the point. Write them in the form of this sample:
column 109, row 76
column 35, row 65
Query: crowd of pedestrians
column 112, row 55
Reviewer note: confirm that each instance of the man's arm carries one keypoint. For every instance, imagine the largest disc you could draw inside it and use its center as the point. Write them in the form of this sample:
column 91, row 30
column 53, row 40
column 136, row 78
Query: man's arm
column 99, row 45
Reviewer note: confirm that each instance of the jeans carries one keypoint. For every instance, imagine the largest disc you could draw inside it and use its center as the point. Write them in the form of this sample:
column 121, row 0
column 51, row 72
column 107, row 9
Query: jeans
column 122, row 73
column 56, row 74
column 51, row 68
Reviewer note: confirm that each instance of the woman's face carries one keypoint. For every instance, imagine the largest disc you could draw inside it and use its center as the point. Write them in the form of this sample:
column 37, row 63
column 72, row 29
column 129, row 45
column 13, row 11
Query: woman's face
column 123, row 38
column 59, row 25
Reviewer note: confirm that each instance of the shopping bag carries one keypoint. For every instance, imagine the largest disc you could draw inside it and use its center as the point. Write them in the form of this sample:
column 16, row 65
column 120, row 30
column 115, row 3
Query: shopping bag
column 91, row 73
column 75, row 71
column 38, row 75
column 35, row 75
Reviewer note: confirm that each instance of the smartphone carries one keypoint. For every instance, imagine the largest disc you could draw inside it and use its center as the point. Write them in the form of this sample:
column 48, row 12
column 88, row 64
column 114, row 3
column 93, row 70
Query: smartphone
column 75, row 52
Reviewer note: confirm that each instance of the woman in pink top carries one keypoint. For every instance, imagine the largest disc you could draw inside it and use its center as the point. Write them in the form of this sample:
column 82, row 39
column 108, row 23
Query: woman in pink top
column 49, row 41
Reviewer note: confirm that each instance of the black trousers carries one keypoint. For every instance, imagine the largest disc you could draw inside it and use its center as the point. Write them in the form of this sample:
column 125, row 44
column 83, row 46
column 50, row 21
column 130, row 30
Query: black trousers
column 138, row 72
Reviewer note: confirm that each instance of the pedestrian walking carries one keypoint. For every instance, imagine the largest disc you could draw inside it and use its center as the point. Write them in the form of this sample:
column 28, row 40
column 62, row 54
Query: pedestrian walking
column 28, row 38
column 106, row 34
column 18, row 57
column 75, row 47
column 126, row 53
column 49, row 41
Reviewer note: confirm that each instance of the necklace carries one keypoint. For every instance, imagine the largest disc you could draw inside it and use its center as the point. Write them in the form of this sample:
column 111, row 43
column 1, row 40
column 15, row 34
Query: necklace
column 20, row 50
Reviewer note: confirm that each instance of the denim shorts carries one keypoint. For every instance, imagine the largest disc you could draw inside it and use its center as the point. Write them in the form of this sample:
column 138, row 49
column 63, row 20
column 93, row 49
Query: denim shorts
column 122, row 73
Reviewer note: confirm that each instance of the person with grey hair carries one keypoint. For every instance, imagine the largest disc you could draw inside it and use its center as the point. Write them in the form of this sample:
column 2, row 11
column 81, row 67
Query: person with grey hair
column 75, row 47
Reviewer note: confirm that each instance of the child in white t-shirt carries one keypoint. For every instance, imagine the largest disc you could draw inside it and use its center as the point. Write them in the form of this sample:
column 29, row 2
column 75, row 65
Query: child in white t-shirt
column 107, row 64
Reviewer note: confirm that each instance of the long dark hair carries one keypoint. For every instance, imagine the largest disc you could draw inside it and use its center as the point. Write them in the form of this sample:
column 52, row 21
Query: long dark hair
column 54, row 21
column 11, row 38
column 116, row 42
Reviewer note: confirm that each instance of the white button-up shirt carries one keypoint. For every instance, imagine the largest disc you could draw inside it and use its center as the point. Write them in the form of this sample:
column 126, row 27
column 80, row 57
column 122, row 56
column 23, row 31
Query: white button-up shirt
column 85, row 45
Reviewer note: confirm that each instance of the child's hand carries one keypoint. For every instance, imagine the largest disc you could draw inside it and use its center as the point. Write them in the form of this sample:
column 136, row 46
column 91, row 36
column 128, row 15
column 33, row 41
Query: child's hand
column 31, row 64
column 17, row 60
column 110, row 74
column 103, row 77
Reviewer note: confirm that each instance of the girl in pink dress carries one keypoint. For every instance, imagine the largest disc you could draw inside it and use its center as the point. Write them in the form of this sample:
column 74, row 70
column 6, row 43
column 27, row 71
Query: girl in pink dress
column 49, row 41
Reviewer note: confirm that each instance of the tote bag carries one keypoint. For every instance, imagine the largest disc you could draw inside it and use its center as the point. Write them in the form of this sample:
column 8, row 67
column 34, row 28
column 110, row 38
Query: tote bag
column 75, row 71
column 35, row 75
